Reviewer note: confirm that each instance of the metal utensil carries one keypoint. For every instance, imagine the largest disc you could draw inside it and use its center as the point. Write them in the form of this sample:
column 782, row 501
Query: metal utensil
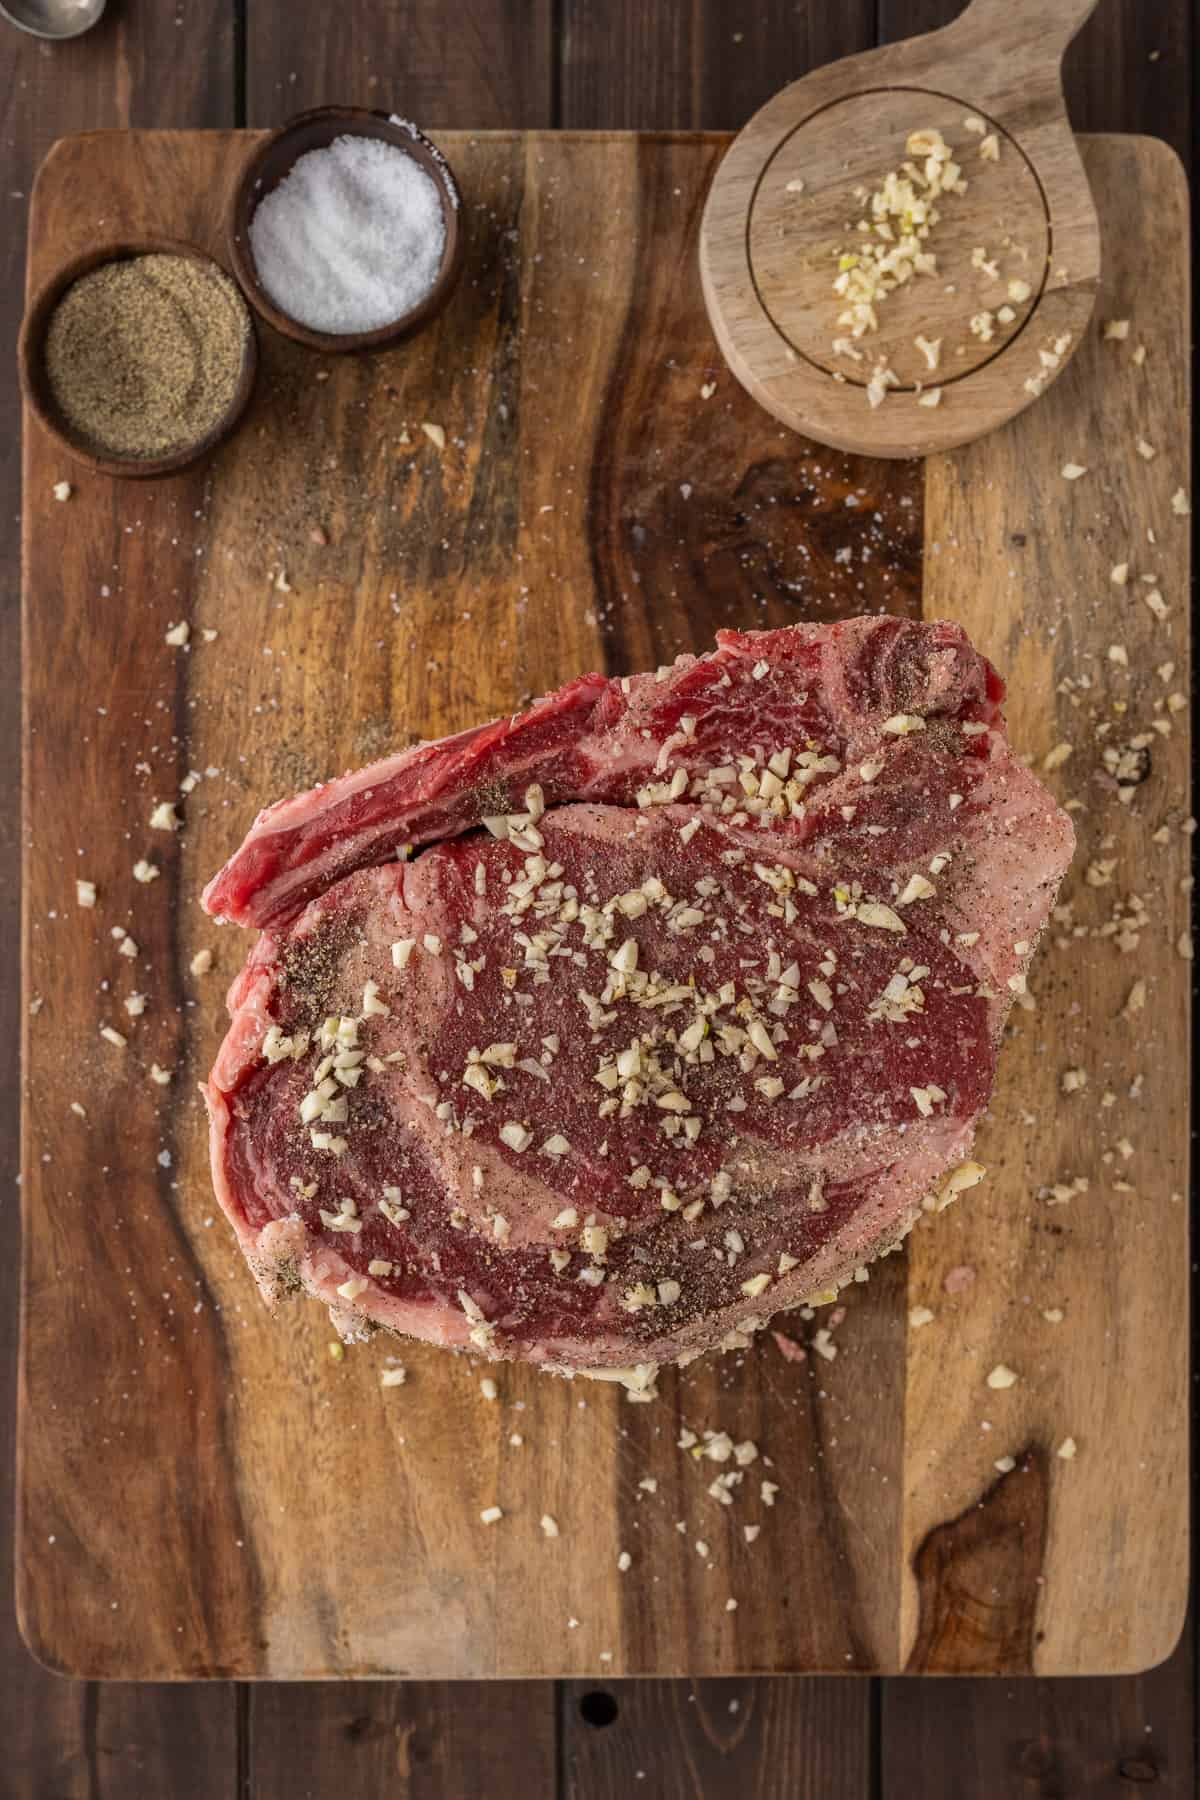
column 55, row 19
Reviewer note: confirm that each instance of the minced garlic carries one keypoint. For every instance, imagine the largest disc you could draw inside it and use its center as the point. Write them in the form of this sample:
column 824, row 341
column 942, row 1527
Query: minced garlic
column 890, row 244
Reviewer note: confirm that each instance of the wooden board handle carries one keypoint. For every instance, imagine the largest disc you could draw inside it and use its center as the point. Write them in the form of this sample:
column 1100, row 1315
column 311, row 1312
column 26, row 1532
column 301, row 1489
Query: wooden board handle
column 1014, row 42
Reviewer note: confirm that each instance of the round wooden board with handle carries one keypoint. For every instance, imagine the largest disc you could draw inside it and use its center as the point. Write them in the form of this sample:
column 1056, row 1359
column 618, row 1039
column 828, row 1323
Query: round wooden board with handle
column 1018, row 253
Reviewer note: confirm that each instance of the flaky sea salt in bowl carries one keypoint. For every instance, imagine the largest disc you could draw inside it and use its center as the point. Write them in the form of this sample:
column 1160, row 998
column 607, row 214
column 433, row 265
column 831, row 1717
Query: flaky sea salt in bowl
column 346, row 229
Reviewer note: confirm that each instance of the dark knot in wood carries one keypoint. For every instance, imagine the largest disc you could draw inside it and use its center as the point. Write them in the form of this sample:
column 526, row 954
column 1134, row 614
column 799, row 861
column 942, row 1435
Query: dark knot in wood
column 978, row 1578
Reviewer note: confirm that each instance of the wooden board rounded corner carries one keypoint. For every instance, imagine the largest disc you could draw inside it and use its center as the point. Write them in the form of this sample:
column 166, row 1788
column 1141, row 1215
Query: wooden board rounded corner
column 467, row 1600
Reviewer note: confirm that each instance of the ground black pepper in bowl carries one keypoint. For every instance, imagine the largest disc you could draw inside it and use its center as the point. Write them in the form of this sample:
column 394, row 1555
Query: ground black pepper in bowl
column 139, row 359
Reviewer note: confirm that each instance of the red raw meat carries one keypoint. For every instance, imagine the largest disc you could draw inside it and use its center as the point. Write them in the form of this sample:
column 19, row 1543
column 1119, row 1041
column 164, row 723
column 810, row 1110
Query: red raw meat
column 693, row 997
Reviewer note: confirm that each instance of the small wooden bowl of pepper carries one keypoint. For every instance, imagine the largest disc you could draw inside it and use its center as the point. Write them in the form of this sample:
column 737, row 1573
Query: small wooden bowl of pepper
column 138, row 358
column 360, row 245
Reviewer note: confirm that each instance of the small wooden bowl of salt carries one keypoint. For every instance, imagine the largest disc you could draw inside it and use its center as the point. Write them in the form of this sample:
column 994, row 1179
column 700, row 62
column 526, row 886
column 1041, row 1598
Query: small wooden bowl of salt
column 346, row 229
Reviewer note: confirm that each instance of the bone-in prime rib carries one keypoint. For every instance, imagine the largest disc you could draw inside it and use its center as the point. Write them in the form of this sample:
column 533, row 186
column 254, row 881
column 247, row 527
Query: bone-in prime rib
column 597, row 1035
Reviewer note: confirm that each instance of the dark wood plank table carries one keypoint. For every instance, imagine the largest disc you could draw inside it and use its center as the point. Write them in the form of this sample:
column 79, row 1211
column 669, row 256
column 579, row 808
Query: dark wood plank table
column 695, row 63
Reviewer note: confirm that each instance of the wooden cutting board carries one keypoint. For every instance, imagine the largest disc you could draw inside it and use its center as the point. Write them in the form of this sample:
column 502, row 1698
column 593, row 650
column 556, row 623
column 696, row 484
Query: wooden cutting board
column 205, row 1492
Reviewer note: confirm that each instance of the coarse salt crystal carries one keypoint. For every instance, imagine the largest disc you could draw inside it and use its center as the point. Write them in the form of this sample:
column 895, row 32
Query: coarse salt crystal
column 352, row 238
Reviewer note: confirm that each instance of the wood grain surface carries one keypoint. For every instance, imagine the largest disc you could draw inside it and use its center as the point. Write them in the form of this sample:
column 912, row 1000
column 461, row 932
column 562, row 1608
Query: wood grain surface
column 1006, row 1740
column 322, row 649
column 1026, row 566
column 482, row 66
column 1124, row 72
column 675, row 507
column 63, row 1740
column 424, row 1740
column 696, row 64
column 705, row 1740
column 625, row 65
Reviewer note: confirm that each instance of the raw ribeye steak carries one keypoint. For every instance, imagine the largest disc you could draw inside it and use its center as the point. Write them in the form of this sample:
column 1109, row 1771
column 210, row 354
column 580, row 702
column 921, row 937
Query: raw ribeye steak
column 597, row 1035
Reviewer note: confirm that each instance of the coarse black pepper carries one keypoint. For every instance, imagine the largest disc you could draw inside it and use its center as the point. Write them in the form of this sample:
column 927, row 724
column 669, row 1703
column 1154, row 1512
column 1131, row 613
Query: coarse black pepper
column 144, row 354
